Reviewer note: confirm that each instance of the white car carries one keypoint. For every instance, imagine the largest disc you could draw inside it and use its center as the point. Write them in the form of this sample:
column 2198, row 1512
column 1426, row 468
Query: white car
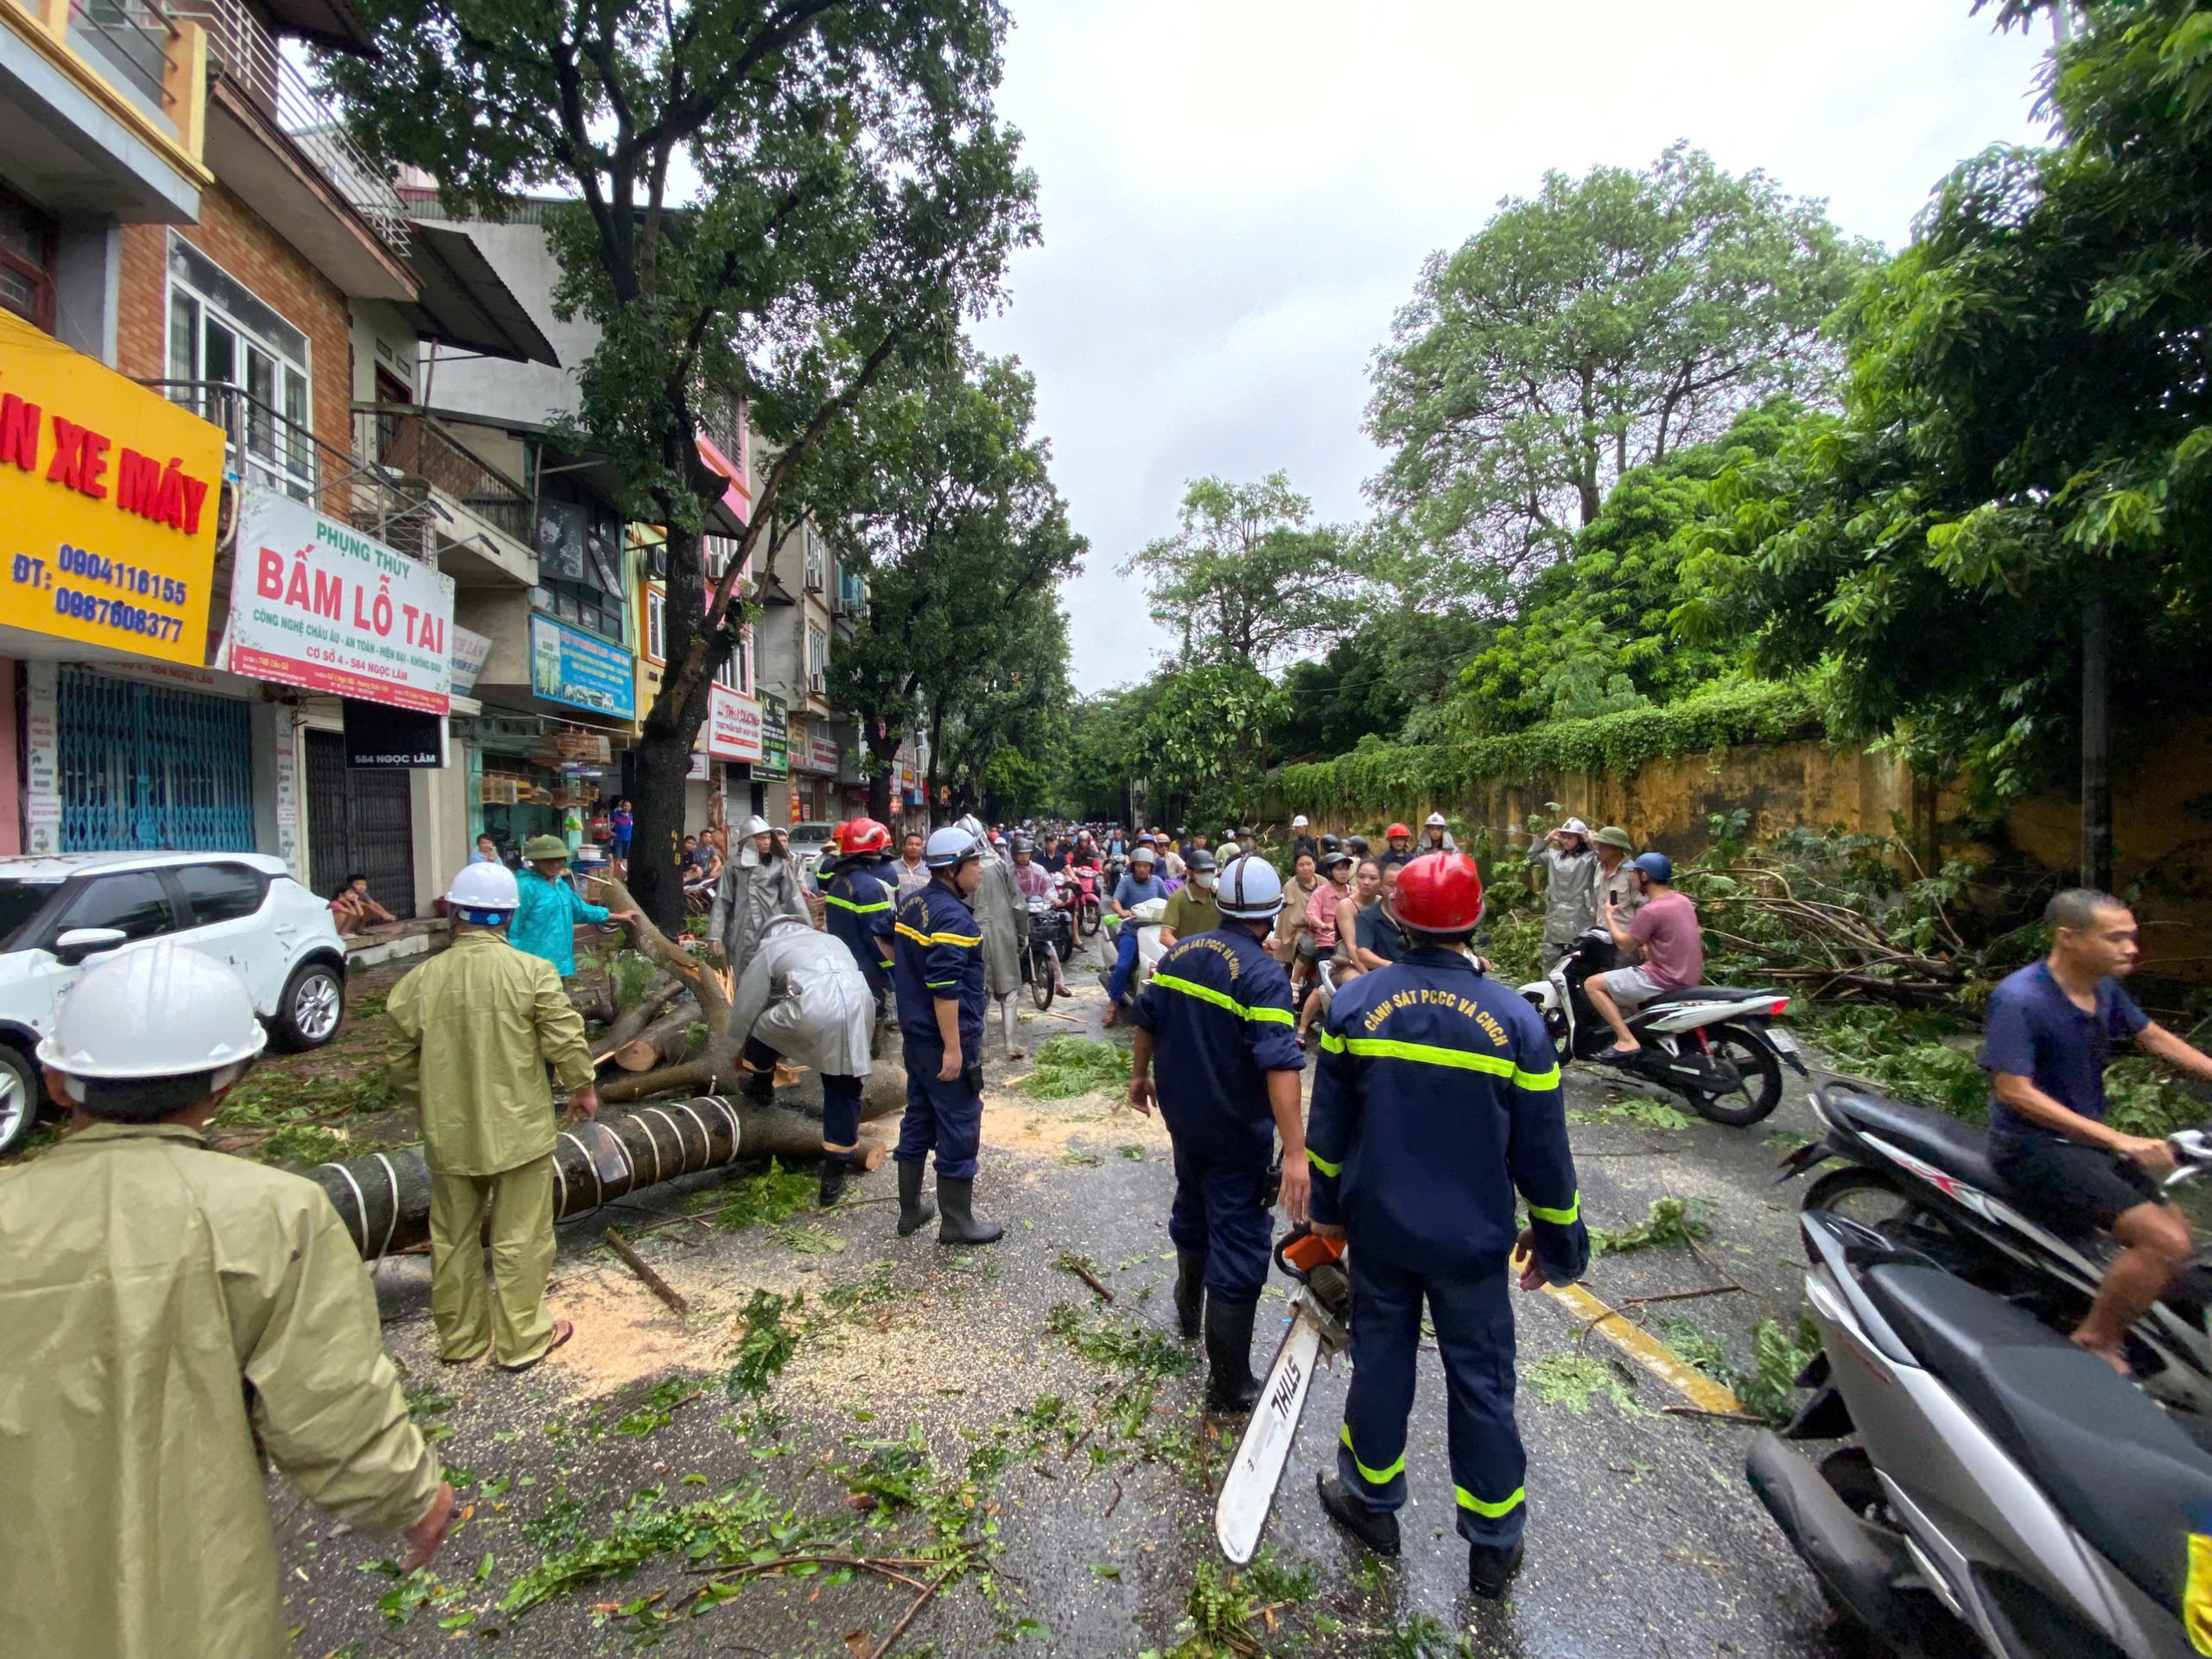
column 58, row 913
column 810, row 841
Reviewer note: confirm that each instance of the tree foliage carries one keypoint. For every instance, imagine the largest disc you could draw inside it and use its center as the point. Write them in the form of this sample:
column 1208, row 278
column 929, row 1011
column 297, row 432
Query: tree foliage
column 1598, row 327
column 940, row 490
column 1594, row 633
column 774, row 200
column 1246, row 576
column 2029, row 424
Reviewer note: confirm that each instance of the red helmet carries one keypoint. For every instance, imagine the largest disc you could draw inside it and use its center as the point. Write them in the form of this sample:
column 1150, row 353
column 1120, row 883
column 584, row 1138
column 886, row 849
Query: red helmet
column 1397, row 830
column 864, row 835
column 1440, row 893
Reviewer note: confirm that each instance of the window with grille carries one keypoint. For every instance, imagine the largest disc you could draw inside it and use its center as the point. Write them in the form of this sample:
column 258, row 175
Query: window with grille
column 246, row 368
column 656, row 625
column 817, row 660
column 814, row 559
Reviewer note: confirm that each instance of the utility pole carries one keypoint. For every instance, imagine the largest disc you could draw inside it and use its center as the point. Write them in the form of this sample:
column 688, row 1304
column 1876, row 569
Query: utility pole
column 2096, row 745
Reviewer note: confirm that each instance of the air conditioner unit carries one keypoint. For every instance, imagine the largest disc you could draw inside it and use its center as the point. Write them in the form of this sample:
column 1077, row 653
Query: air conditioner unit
column 813, row 580
column 817, row 683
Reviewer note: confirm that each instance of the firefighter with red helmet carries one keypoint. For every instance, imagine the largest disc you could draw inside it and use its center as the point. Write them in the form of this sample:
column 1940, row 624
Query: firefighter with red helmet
column 858, row 901
column 1398, row 845
column 1436, row 1100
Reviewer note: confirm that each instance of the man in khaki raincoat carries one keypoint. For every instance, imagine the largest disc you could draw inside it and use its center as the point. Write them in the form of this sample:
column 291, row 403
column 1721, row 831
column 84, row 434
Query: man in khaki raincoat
column 173, row 1316
column 480, row 1023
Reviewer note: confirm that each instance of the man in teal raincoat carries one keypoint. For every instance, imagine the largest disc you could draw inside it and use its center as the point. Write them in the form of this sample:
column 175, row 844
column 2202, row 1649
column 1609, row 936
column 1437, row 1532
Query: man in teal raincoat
column 546, row 925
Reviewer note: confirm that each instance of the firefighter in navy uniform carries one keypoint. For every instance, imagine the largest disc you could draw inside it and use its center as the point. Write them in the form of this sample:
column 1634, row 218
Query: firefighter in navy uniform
column 1436, row 1098
column 938, row 968
column 859, row 902
column 1217, row 1015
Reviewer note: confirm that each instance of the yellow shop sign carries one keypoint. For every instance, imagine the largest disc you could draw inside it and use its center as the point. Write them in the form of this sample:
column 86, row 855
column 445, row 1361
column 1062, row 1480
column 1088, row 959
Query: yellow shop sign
column 109, row 496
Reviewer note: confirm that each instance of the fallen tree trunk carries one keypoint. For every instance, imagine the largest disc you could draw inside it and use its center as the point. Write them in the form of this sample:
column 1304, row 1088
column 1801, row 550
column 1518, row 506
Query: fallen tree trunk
column 384, row 1199
column 631, row 1022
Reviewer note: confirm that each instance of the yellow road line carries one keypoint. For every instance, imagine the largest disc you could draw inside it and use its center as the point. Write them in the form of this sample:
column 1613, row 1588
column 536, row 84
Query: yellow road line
column 1645, row 1350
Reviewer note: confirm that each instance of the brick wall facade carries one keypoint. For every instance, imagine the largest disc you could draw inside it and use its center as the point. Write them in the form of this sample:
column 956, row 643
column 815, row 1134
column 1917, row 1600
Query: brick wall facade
column 249, row 248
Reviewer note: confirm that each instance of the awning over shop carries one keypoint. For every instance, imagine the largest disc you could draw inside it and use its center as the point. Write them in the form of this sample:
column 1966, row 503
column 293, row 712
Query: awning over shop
column 463, row 302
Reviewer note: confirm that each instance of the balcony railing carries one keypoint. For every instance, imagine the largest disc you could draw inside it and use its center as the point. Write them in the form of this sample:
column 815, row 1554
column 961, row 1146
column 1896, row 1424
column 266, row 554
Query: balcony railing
column 140, row 50
column 251, row 59
column 266, row 449
column 415, row 448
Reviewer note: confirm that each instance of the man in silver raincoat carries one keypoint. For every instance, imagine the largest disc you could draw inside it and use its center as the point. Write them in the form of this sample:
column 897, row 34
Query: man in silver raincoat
column 1004, row 914
column 803, row 997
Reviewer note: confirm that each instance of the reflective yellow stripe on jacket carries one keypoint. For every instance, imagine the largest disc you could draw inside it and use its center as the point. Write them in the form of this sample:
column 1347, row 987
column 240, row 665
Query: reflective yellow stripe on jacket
column 925, row 939
column 1222, row 1000
column 1384, row 1048
column 858, row 909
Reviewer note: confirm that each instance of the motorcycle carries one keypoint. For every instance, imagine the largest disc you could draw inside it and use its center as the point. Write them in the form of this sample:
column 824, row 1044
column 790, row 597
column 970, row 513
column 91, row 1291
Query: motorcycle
column 1049, row 923
column 1923, row 1179
column 1146, row 918
column 1090, row 914
column 2000, row 1479
column 1716, row 1046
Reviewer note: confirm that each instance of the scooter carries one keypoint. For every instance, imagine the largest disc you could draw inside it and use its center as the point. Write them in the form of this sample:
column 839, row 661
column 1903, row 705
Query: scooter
column 1716, row 1046
column 1923, row 1179
column 1146, row 918
column 2001, row 1478
column 1048, row 925
column 1088, row 912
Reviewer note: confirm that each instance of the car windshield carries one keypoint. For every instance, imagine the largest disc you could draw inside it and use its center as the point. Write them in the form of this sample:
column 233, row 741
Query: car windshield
column 20, row 900
column 818, row 832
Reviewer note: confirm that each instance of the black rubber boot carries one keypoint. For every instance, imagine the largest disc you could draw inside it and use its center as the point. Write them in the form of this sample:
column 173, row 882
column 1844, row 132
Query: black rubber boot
column 1231, row 1386
column 959, row 1225
column 833, row 1172
column 758, row 1087
column 1189, row 1291
column 1376, row 1529
column 914, row 1210
column 1490, row 1568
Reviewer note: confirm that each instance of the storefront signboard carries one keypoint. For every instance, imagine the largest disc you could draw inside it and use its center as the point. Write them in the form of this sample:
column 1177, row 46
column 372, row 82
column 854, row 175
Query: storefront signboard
column 821, row 749
column 379, row 737
column 108, row 501
column 464, row 660
column 566, row 666
column 732, row 725
column 317, row 604
column 775, row 738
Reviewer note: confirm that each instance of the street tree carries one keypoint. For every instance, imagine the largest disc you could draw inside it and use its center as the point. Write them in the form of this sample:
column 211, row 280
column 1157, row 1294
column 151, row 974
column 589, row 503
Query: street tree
column 778, row 201
column 1600, row 325
column 940, row 490
column 1248, row 575
column 2023, row 473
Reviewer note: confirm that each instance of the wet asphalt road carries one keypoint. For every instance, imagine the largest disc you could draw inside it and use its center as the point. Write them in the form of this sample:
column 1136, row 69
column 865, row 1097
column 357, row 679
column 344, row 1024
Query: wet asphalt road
column 1644, row 1538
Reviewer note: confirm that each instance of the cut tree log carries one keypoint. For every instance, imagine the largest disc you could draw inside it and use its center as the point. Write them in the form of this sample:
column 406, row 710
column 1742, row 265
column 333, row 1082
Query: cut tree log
column 661, row 1043
column 384, row 1199
column 631, row 1022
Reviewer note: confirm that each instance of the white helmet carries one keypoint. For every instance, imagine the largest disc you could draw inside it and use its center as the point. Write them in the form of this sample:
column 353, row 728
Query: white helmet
column 756, row 825
column 1434, row 821
column 948, row 847
column 164, row 1010
column 1249, row 889
column 1298, row 823
column 483, row 889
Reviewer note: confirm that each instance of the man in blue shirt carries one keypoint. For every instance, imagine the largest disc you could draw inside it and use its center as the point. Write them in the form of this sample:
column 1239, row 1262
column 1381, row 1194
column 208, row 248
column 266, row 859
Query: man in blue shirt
column 1136, row 888
column 2050, row 1029
column 1218, row 1013
column 1435, row 1100
column 938, row 968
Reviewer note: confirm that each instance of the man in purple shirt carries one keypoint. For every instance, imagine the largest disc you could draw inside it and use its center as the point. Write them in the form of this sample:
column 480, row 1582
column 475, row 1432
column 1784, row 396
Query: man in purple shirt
column 2048, row 1031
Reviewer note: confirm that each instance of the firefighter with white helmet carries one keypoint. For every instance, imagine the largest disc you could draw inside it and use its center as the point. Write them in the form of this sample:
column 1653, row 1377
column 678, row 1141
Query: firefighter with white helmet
column 479, row 1024
column 938, row 968
column 174, row 1315
column 1217, row 1013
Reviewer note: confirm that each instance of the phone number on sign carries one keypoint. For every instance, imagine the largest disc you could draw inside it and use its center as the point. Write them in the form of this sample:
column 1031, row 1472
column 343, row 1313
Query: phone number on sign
column 146, row 584
column 96, row 608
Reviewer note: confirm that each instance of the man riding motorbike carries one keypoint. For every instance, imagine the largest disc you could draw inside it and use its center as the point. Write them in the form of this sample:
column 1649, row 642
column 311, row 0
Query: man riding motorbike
column 2048, row 1030
column 1035, row 881
column 1665, row 929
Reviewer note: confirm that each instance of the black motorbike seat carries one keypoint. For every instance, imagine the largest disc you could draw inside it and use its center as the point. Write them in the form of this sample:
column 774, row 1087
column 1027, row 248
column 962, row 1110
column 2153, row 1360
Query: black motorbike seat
column 1956, row 1148
column 2132, row 1484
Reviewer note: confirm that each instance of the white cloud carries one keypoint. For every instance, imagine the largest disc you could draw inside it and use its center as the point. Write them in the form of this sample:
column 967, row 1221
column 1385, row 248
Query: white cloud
column 1237, row 196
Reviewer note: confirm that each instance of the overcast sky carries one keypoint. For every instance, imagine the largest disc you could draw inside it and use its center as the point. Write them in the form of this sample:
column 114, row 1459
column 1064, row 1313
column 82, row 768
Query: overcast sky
column 1238, row 194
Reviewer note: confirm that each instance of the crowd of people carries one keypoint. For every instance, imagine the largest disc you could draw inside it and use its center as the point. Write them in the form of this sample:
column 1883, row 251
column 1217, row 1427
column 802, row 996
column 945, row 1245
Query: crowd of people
column 214, row 1312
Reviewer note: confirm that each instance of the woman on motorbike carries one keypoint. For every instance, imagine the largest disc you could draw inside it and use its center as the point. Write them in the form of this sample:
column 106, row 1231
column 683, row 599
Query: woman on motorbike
column 1318, row 927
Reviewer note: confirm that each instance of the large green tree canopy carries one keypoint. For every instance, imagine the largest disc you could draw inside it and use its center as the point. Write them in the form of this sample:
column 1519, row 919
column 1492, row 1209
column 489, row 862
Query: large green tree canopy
column 1596, row 327
column 1248, row 574
column 2028, row 426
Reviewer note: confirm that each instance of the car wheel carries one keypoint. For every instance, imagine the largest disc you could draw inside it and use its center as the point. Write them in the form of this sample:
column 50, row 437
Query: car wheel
column 19, row 1099
column 313, row 1005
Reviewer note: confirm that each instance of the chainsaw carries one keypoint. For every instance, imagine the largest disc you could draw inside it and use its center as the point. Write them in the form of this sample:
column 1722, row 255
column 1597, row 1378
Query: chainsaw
column 1321, row 1309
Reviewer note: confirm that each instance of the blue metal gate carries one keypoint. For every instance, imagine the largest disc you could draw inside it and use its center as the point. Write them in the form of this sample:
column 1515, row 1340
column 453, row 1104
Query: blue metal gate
column 152, row 766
